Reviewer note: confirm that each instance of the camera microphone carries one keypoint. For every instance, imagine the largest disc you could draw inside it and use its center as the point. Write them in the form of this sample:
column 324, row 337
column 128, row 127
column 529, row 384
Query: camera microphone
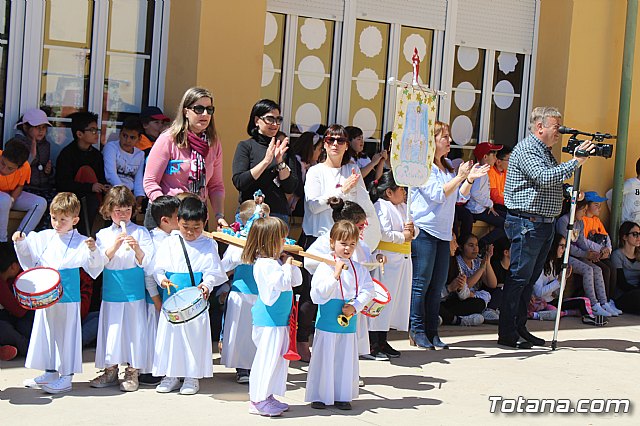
column 569, row 131
column 598, row 136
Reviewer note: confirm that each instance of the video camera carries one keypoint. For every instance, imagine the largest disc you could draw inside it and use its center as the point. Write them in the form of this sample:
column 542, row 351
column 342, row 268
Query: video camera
column 603, row 150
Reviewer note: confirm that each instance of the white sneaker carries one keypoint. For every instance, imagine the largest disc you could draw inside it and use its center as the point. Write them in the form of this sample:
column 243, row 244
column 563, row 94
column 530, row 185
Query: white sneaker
column 43, row 379
column 599, row 310
column 607, row 307
column 547, row 315
column 490, row 315
column 471, row 320
column 190, row 386
column 615, row 308
column 168, row 384
column 63, row 384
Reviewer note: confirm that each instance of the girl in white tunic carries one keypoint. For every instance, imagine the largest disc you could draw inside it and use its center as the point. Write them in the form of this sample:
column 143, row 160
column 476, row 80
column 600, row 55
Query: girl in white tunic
column 395, row 245
column 56, row 337
column 333, row 371
column 270, row 314
column 127, row 249
column 184, row 349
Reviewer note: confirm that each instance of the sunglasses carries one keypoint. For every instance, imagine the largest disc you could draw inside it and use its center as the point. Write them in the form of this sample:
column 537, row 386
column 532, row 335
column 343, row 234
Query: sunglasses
column 634, row 234
column 200, row 109
column 333, row 139
column 272, row 119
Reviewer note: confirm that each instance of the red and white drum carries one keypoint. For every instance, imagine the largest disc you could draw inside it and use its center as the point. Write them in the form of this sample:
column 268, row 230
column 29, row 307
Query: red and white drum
column 38, row 288
column 379, row 301
column 185, row 305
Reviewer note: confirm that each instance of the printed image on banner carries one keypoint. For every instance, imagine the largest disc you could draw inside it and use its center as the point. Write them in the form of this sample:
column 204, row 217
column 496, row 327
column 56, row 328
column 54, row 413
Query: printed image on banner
column 413, row 141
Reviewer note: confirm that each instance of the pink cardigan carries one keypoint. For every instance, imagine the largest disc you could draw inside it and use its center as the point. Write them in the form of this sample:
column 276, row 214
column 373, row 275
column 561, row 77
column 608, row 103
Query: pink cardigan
column 156, row 182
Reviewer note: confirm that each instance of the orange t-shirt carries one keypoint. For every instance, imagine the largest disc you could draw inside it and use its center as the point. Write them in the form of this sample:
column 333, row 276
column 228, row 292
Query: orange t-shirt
column 593, row 225
column 497, row 180
column 11, row 181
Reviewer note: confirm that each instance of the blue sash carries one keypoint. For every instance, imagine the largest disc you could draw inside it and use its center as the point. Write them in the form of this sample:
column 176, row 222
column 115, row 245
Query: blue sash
column 125, row 285
column 70, row 279
column 182, row 280
column 327, row 318
column 276, row 315
column 243, row 281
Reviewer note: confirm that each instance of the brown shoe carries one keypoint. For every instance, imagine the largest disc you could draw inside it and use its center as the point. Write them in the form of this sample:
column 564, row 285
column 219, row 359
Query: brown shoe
column 109, row 377
column 130, row 382
column 303, row 351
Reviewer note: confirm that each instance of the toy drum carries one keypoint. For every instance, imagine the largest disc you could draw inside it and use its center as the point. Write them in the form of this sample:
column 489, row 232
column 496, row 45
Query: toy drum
column 185, row 305
column 38, row 288
column 379, row 301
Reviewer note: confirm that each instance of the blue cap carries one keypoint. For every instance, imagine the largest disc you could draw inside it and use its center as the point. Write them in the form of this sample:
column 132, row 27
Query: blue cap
column 593, row 197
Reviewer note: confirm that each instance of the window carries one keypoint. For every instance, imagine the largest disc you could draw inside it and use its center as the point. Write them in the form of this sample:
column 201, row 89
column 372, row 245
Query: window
column 468, row 78
column 5, row 9
column 273, row 56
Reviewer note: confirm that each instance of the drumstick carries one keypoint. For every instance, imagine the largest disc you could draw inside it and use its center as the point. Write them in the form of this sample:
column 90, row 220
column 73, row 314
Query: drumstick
column 320, row 259
column 123, row 225
column 169, row 285
column 239, row 242
column 27, row 221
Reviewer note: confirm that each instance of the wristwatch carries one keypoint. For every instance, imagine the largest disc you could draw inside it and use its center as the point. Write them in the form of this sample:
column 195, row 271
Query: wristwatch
column 281, row 166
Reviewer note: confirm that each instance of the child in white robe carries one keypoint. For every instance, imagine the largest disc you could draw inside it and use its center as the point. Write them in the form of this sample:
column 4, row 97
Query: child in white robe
column 127, row 249
column 271, row 313
column 395, row 245
column 56, row 337
column 333, row 371
column 184, row 349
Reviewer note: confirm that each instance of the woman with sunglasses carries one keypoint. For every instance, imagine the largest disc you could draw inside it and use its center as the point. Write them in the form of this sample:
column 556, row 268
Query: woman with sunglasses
column 627, row 266
column 187, row 157
column 261, row 162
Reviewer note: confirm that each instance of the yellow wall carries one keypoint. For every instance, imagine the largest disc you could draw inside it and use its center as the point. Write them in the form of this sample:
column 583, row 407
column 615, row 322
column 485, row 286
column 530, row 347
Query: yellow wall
column 218, row 45
column 579, row 66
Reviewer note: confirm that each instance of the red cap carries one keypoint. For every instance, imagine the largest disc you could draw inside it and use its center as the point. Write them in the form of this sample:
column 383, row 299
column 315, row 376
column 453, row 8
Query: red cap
column 483, row 148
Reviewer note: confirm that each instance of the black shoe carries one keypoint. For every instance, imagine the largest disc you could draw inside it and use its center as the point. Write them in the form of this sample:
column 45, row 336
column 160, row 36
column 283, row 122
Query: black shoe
column 536, row 341
column 149, row 379
column 378, row 356
column 517, row 344
column 318, row 405
column 389, row 351
column 439, row 343
column 342, row 405
column 422, row 341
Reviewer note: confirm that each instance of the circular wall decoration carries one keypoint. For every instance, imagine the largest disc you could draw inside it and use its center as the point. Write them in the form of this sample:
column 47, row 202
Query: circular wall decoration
column 370, row 41
column 308, row 117
column 414, row 40
column 503, row 87
column 468, row 57
column 270, row 29
column 366, row 119
column 313, row 33
column 461, row 130
column 311, row 72
column 463, row 97
column 367, row 84
column 507, row 62
column 267, row 70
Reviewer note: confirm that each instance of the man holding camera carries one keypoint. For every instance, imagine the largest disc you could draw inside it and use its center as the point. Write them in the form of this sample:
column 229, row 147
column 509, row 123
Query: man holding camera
column 533, row 197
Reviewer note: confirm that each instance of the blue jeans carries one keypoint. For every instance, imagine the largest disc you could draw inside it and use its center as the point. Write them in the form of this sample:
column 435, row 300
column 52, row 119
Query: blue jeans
column 430, row 258
column 90, row 327
column 530, row 244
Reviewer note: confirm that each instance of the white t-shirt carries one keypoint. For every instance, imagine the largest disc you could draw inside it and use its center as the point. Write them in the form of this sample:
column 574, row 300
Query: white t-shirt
column 630, row 200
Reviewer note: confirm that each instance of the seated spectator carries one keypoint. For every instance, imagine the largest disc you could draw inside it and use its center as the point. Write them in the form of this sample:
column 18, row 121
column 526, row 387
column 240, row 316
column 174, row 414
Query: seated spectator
column 500, row 262
column 583, row 259
column 15, row 172
column 123, row 162
column 15, row 321
column 370, row 168
column 80, row 168
column 480, row 204
column 627, row 268
column 153, row 122
column 478, row 273
column 630, row 197
column 544, row 300
column 456, row 307
column 594, row 229
column 497, row 178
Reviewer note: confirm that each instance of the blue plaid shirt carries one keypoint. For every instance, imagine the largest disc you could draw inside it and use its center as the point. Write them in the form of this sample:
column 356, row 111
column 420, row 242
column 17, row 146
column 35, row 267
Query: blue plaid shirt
column 534, row 179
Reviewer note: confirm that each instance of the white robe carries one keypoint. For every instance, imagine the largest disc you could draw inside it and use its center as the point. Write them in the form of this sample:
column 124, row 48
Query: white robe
column 362, row 254
column 238, row 349
column 184, row 350
column 122, row 327
column 333, row 371
column 397, row 272
column 56, row 337
column 269, row 368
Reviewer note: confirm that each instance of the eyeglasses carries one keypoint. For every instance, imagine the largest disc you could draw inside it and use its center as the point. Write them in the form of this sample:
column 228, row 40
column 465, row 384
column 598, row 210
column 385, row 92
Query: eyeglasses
column 333, row 139
column 200, row 109
column 92, row 130
column 634, row 234
column 272, row 119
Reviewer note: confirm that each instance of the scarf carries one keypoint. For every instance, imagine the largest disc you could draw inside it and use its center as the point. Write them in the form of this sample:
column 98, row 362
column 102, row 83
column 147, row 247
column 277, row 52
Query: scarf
column 197, row 173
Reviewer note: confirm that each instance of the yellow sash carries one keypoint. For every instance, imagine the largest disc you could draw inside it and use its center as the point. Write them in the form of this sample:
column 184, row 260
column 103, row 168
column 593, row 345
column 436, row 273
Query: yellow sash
column 404, row 248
